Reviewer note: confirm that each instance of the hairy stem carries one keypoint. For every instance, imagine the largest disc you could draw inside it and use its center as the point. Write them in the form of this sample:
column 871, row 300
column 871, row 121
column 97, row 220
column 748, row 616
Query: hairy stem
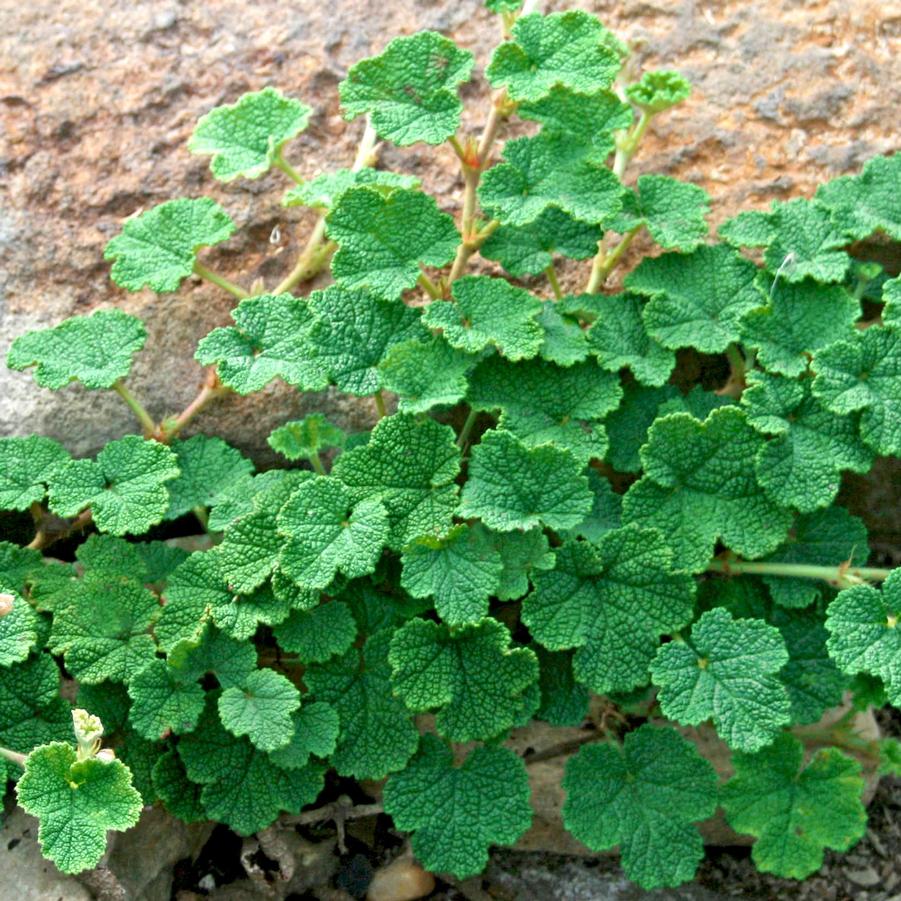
column 604, row 263
column 838, row 735
column 219, row 280
column 841, row 576
column 429, row 286
column 136, row 407
column 13, row 757
column 629, row 145
column 288, row 169
column 44, row 539
column 551, row 274
column 316, row 461
column 317, row 250
column 211, row 390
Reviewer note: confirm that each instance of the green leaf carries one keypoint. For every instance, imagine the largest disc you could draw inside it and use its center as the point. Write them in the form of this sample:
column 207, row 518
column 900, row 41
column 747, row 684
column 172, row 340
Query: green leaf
column 794, row 810
column 32, row 712
column 571, row 49
column 26, row 466
column 382, row 239
column 377, row 733
column 751, row 228
column 564, row 701
column 801, row 467
column 171, row 784
column 512, row 486
column 103, row 630
column 320, row 633
column 471, row 676
column 270, row 339
column 503, row 6
column 700, row 485
column 425, row 374
column 645, row 797
column 160, row 560
column 95, row 350
column 564, row 341
column 865, row 636
column 726, row 671
column 460, row 571
column 327, row 533
column 158, row 248
column 606, row 510
column 112, row 556
column 530, row 249
column 827, row 537
column 863, row 204
column 305, row 438
column 250, row 552
column 658, row 91
column 619, row 339
column 353, row 332
column 125, row 487
column 208, row 469
column 18, row 627
column 77, row 802
column 246, row 138
column 323, row 191
column 457, row 812
column 242, row 786
column 546, row 404
column 410, row 466
column 20, row 566
column 673, row 211
column 261, row 709
column 488, row 312
column 891, row 297
column 550, row 171
column 590, row 117
column 799, row 320
column 316, row 730
column 864, row 373
column 697, row 299
column 163, row 702
column 612, row 601
column 627, row 427
column 521, row 555
column 214, row 653
column 410, row 89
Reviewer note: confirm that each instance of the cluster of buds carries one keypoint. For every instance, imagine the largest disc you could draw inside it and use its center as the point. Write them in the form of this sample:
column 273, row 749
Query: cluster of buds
column 88, row 733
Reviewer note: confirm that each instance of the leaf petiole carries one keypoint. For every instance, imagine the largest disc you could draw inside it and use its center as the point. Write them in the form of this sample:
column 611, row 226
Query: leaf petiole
column 141, row 414
column 13, row 757
column 219, row 280
column 604, row 263
column 842, row 576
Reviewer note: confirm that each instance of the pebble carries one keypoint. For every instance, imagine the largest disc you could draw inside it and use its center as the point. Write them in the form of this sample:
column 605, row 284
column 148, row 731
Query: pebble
column 402, row 880
column 866, row 877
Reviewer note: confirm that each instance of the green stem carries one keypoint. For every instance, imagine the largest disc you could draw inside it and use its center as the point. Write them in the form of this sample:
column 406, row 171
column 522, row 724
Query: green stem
column 457, row 147
column 842, row 576
column 288, row 169
column 470, row 421
column 13, row 757
column 136, row 407
column 219, row 280
column 629, row 145
column 604, row 263
column 429, row 286
column 551, row 274
column 316, row 460
column 379, row 399
column 212, row 390
column 842, row 736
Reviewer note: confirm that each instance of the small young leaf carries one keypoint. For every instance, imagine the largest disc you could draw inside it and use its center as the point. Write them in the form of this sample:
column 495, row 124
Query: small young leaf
column 305, row 438
column 261, row 709
column 246, row 138
column 456, row 813
column 571, row 49
column 644, row 796
column 426, row 374
column 323, row 191
column 471, row 676
column 158, row 248
column 865, row 632
column 125, row 487
column 270, row 339
column 658, row 91
column 488, row 312
column 383, row 238
column 795, row 811
column 76, row 802
column 95, row 350
column 512, row 486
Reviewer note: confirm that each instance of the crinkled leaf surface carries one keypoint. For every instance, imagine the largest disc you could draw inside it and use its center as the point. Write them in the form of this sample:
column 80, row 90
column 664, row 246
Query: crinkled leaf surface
column 659, row 90
column 246, row 138
column 324, row 190
column 95, row 350
column 77, row 803
column 426, row 374
column 646, row 797
column 512, row 486
column 606, row 510
column 304, row 438
column 696, row 299
column 488, row 312
column 564, row 341
column 794, row 810
column 457, row 812
column 627, row 426
column 726, row 671
column 270, row 339
column 700, row 485
column 612, row 601
column 564, row 701
column 157, row 249
column 522, row 554
column 208, row 469
column 18, row 627
column 571, row 49
column 316, row 728
column 589, row 116
column 163, row 702
column 261, row 709
column 32, row 712
column 353, row 332
column 383, row 238
column 319, row 633
column 471, row 676
column 215, row 653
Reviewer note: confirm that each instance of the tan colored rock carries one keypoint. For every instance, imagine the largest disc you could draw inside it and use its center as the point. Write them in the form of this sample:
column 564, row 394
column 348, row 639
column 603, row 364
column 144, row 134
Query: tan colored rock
column 402, row 880
column 99, row 98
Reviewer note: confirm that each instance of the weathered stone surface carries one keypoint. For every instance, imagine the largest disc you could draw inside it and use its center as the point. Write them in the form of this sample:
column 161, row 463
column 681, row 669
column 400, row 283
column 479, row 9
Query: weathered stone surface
column 99, row 98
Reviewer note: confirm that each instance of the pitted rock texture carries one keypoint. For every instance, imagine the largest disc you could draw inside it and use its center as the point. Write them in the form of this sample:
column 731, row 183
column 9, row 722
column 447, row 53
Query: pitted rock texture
column 98, row 100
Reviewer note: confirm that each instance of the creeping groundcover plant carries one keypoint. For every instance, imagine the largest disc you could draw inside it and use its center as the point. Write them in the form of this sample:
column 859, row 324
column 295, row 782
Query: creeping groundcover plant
column 607, row 510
